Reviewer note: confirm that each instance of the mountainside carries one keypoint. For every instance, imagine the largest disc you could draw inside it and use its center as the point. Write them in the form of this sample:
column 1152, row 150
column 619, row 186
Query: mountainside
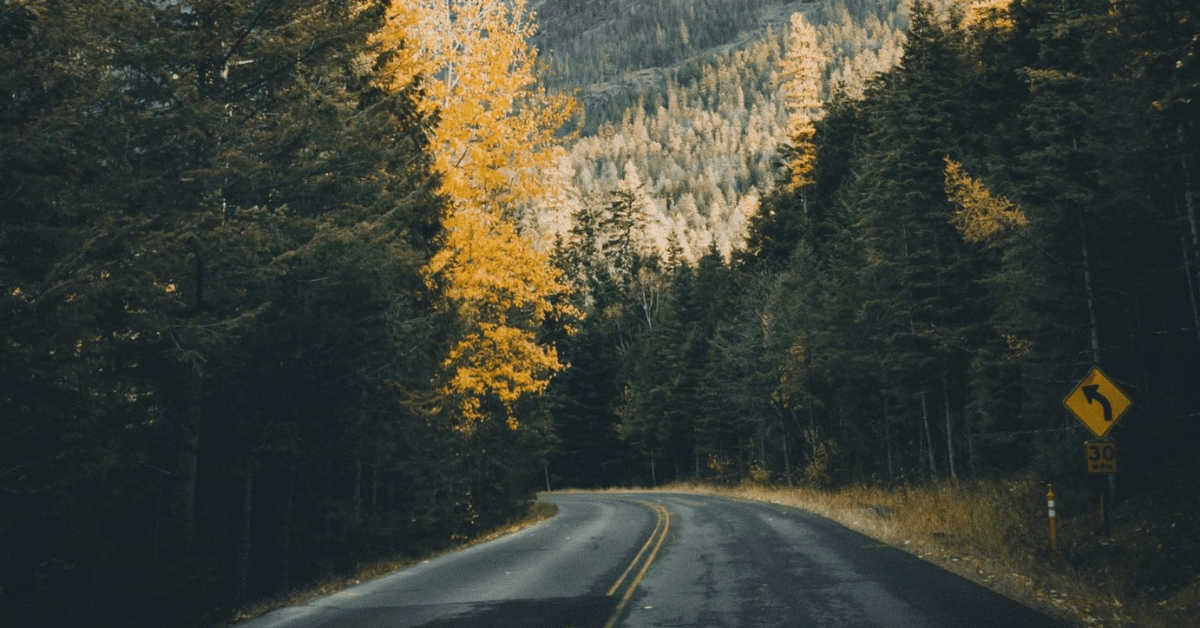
column 682, row 101
column 613, row 47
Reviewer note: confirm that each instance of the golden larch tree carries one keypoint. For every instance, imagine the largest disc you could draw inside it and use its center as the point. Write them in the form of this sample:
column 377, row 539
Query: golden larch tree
column 496, row 151
column 979, row 215
column 803, row 68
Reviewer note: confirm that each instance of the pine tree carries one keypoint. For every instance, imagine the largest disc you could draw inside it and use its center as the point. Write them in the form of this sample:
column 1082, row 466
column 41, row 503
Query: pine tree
column 919, row 311
column 202, row 211
column 1072, row 289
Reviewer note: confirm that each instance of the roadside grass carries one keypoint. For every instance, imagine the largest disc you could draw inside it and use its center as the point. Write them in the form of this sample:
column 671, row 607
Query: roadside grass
column 1145, row 574
column 534, row 513
column 997, row 534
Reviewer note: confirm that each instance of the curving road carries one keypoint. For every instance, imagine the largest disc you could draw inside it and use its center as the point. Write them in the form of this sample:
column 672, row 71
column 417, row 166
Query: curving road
column 660, row 559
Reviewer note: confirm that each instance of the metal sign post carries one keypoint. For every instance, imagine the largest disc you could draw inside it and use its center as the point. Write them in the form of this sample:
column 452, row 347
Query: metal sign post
column 1099, row 404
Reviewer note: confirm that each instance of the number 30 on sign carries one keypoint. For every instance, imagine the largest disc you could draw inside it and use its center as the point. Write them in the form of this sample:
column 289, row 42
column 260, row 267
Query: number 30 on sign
column 1101, row 457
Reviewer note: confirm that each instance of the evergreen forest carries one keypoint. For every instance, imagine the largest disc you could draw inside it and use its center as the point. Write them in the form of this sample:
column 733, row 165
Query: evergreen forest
column 287, row 287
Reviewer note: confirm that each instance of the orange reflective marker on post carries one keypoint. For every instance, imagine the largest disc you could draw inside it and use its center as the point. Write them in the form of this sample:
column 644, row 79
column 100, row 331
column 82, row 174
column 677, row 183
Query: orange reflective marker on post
column 1053, row 520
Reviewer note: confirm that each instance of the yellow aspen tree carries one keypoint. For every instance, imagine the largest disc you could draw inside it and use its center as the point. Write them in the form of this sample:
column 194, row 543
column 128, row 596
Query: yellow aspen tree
column 803, row 67
column 495, row 149
column 979, row 215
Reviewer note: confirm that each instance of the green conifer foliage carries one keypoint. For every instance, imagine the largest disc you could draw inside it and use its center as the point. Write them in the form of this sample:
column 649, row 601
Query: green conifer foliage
column 213, row 324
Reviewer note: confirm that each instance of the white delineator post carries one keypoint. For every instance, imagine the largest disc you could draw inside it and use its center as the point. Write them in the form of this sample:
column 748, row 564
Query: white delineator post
column 1053, row 520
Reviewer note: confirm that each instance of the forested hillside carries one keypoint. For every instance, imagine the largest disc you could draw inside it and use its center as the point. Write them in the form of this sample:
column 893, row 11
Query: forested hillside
column 1011, row 204
column 241, row 345
column 287, row 287
column 689, row 114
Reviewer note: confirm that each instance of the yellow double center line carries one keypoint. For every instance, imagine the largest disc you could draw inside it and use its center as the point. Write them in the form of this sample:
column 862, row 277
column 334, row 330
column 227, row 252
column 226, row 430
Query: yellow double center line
column 662, row 524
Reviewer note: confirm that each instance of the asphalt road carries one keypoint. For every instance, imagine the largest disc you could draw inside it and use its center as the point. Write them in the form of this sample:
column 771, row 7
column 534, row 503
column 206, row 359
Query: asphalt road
column 656, row 559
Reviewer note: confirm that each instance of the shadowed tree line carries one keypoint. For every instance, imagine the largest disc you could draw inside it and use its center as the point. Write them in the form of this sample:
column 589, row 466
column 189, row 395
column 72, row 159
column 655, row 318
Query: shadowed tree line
column 225, row 353
column 217, row 349
column 1011, row 204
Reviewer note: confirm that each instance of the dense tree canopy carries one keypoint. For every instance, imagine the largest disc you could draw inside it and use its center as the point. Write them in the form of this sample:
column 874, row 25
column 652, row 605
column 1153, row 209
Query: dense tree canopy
column 290, row 286
column 1013, row 202
column 217, row 342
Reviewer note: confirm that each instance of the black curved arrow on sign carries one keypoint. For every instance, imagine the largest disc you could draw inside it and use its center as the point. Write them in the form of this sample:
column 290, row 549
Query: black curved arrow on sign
column 1092, row 393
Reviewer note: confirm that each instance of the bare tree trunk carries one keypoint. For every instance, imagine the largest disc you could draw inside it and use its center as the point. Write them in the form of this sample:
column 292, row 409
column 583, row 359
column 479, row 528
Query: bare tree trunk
column 375, row 482
column 1191, row 284
column 787, row 461
column 357, row 498
column 1090, row 292
column 1091, row 304
column 285, row 537
column 1189, row 202
column 183, row 509
column 1189, row 195
column 928, row 436
column 949, row 427
column 648, row 298
column 969, row 431
column 242, row 567
column 887, row 437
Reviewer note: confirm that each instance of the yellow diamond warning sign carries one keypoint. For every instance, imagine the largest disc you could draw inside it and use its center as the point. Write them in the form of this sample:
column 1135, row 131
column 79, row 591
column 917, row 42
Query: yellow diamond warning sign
column 1097, row 402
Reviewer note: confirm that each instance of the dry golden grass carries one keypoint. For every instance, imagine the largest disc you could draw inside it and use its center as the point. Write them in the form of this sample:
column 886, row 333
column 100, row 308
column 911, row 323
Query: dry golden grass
column 997, row 533
column 536, row 512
